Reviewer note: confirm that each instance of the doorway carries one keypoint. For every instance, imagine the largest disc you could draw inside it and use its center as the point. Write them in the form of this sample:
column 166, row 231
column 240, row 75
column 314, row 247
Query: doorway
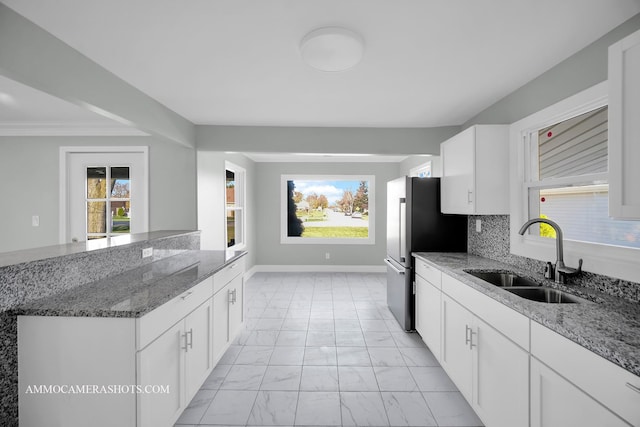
column 103, row 192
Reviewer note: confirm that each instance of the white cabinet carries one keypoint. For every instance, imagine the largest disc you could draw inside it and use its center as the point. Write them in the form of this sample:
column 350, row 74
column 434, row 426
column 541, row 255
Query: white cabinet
column 220, row 323
column 181, row 359
column 475, row 171
column 427, row 306
column 555, row 402
column 485, row 365
column 624, row 127
column 228, row 307
column 585, row 378
column 162, row 363
column 457, row 358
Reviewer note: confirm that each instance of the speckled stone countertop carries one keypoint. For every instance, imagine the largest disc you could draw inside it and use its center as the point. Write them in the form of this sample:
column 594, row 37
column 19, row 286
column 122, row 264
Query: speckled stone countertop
column 134, row 292
column 607, row 325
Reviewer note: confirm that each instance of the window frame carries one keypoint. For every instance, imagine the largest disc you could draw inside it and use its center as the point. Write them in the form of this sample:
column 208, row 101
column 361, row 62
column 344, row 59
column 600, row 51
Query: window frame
column 285, row 239
column 614, row 261
column 240, row 204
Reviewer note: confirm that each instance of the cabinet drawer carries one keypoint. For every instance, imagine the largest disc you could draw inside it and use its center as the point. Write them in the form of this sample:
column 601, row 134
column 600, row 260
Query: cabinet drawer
column 428, row 272
column 227, row 274
column 606, row 382
column 507, row 321
column 153, row 324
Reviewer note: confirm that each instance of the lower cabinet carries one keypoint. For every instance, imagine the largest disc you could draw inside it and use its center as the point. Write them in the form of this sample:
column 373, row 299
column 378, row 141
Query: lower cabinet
column 162, row 363
column 220, row 322
column 180, row 359
column 428, row 314
column 490, row 371
column 555, row 402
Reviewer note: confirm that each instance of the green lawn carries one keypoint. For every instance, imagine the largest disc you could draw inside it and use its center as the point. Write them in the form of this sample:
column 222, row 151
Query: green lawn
column 344, row 232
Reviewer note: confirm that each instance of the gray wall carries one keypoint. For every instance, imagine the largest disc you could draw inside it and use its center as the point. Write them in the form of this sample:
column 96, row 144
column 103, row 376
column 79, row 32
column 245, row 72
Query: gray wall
column 211, row 199
column 412, row 161
column 269, row 250
column 29, row 178
column 580, row 71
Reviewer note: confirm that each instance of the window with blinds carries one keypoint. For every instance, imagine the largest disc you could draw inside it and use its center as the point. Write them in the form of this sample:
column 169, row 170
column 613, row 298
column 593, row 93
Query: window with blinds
column 568, row 182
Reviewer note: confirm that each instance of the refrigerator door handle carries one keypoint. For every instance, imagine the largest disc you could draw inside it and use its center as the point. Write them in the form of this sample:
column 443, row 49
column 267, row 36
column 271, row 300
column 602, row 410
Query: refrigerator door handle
column 403, row 229
column 393, row 267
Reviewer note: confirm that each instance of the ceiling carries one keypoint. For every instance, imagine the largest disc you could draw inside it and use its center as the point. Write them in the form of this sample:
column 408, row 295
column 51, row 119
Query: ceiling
column 426, row 63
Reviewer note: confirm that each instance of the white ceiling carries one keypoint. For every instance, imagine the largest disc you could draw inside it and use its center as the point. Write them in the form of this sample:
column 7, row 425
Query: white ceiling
column 236, row 62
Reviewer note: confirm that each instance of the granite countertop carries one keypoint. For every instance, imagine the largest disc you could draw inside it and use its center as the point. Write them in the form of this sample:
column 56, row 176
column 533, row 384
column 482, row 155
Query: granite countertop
column 54, row 251
column 134, row 292
column 607, row 325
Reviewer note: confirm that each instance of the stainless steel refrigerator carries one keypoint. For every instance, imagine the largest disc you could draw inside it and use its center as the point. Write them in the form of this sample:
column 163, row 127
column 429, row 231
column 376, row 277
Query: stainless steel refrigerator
column 415, row 224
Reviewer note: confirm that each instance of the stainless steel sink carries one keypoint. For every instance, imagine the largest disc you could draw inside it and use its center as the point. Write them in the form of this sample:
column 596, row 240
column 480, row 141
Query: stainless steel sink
column 543, row 294
column 503, row 279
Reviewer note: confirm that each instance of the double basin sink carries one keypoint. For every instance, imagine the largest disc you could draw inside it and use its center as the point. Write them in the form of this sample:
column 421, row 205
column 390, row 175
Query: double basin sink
column 524, row 287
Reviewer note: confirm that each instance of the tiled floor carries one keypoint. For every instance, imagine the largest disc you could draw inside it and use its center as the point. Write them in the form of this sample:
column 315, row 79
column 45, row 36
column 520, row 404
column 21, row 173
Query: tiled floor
column 324, row 350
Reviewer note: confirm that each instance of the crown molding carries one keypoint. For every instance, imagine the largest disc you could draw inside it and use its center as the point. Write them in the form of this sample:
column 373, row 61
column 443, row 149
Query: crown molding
column 66, row 129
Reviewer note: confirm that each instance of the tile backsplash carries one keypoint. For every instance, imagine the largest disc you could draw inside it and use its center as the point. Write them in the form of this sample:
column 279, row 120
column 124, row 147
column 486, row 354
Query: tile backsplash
column 493, row 243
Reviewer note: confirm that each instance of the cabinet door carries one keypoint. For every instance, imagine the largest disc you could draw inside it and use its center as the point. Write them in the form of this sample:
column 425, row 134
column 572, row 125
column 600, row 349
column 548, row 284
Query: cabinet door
column 220, row 322
column 161, row 363
column 428, row 320
column 236, row 312
column 624, row 127
column 555, row 402
column 501, row 379
column 458, row 170
column 457, row 357
column 199, row 349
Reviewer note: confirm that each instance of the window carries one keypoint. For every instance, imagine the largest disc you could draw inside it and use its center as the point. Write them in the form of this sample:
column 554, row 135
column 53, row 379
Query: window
column 328, row 209
column 421, row 171
column 234, row 206
column 108, row 201
column 562, row 175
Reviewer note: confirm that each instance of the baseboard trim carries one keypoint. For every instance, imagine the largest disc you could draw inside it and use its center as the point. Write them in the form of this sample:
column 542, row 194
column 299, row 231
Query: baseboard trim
column 314, row 269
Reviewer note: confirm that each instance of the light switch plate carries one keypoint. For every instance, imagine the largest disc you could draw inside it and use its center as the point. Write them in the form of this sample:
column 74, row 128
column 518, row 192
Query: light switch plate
column 35, row 221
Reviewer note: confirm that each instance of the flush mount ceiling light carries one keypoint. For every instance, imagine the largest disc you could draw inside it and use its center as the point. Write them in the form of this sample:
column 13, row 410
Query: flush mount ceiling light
column 332, row 49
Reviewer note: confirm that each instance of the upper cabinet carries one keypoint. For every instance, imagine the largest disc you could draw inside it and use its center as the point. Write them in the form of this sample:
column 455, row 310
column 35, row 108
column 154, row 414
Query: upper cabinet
column 624, row 128
column 475, row 171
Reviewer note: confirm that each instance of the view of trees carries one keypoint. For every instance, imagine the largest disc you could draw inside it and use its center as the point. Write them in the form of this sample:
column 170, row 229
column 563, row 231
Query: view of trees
column 326, row 208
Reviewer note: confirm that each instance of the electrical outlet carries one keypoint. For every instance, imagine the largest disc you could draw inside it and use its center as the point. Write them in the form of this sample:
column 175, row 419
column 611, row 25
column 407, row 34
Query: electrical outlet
column 478, row 226
column 147, row 275
column 147, row 252
column 327, row 255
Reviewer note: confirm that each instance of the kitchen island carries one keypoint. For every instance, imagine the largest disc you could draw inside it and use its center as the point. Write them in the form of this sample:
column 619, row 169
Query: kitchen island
column 130, row 349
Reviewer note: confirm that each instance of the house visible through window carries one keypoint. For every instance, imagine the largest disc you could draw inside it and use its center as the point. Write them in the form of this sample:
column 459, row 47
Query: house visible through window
column 328, row 209
column 234, row 206
column 568, row 182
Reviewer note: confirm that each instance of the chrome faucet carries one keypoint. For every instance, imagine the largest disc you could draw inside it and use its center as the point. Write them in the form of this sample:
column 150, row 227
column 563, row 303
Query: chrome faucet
column 561, row 270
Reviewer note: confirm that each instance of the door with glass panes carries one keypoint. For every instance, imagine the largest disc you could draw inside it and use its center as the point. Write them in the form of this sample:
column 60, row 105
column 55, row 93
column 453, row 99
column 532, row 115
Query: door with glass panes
column 107, row 195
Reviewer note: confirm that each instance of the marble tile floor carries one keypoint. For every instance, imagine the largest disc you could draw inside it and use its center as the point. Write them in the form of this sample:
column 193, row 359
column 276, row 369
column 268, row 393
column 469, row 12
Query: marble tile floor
column 322, row 349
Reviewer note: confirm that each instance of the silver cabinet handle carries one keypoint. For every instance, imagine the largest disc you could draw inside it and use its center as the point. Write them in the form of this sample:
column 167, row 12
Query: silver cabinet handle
column 232, row 266
column 186, row 295
column 233, row 295
column 468, row 336
column 469, row 193
column 186, row 342
column 426, row 266
column 632, row 387
column 190, row 334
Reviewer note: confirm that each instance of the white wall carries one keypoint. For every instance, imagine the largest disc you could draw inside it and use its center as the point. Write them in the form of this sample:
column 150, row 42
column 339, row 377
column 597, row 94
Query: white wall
column 414, row 161
column 29, row 180
column 270, row 251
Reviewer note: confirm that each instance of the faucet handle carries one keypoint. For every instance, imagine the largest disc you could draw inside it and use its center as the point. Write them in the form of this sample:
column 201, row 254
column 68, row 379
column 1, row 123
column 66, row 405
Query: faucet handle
column 579, row 270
